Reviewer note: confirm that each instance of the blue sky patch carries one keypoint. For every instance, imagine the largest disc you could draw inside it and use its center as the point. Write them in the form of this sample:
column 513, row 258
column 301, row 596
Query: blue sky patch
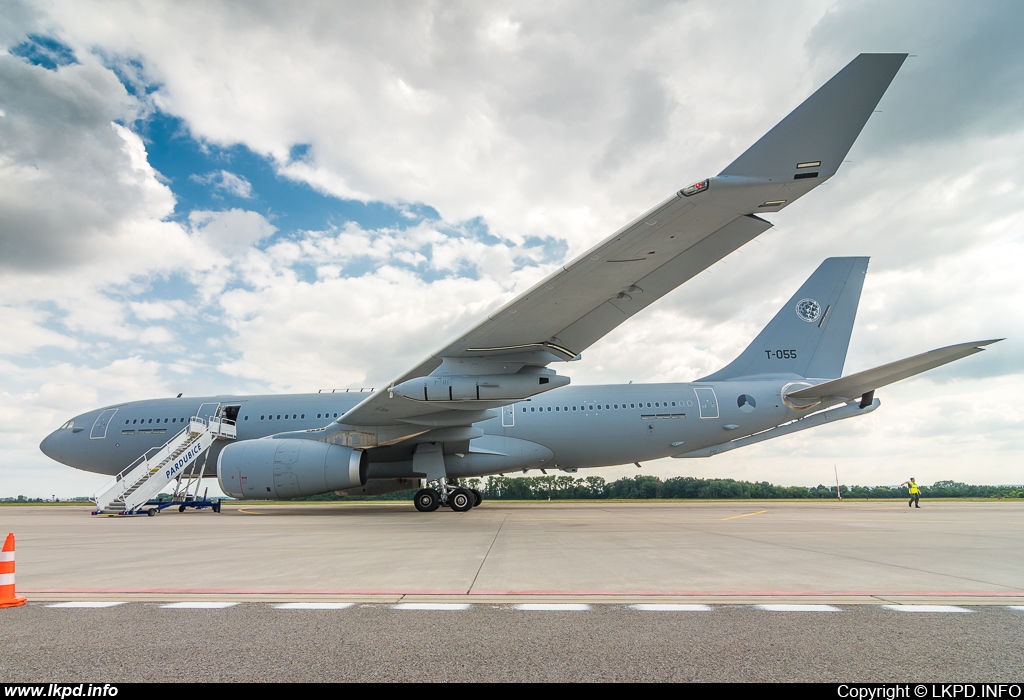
column 193, row 170
column 44, row 51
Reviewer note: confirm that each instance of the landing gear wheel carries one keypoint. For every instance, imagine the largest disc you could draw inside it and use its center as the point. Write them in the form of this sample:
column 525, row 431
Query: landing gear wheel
column 216, row 507
column 427, row 500
column 151, row 512
column 478, row 497
column 461, row 500
column 181, row 509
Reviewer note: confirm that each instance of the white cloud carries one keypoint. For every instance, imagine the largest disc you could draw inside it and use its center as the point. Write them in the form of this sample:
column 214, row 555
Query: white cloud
column 230, row 232
column 71, row 180
column 556, row 121
column 227, row 182
column 25, row 331
column 157, row 310
column 340, row 330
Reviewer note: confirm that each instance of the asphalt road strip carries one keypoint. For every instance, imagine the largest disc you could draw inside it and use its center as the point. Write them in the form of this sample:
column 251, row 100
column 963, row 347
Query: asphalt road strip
column 528, row 607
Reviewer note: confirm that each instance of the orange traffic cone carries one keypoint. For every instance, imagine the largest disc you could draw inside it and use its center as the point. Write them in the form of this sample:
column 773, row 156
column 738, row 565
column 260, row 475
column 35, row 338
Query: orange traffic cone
column 7, row 597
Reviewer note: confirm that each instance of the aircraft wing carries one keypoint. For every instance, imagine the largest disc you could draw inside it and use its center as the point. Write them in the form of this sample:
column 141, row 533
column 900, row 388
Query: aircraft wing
column 584, row 300
column 863, row 382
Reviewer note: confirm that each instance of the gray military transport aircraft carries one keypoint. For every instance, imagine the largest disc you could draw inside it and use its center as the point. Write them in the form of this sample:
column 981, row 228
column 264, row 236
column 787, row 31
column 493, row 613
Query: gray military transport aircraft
column 488, row 403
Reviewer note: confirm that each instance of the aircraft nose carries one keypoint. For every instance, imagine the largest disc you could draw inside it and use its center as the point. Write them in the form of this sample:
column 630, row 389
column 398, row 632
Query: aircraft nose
column 49, row 445
column 57, row 446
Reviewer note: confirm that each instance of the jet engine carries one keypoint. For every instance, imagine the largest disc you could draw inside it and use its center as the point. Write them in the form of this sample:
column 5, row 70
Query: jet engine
column 287, row 468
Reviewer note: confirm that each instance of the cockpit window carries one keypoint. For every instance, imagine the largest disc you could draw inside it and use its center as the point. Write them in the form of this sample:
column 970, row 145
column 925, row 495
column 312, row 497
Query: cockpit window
column 67, row 426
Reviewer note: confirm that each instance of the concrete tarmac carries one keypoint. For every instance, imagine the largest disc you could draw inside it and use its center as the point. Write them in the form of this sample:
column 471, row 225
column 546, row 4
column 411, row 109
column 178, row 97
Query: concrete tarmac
column 738, row 552
column 438, row 596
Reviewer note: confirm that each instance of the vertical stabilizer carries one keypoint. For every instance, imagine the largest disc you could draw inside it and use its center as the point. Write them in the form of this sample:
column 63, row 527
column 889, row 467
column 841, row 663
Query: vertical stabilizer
column 809, row 336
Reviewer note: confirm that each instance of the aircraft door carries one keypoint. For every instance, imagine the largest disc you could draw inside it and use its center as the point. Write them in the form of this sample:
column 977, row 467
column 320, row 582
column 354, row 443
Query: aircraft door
column 707, row 401
column 229, row 413
column 225, row 421
column 99, row 428
column 508, row 416
column 207, row 410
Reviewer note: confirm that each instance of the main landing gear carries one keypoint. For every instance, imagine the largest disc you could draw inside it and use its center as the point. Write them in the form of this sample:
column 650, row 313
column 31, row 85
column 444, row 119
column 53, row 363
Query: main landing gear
column 448, row 493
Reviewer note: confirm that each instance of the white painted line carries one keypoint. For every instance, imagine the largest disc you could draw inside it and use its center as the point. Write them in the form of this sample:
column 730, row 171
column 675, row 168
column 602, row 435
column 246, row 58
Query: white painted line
column 431, row 606
column 671, row 607
column 927, row 608
column 314, row 606
column 799, row 608
column 86, row 604
column 1016, row 607
column 553, row 606
column 199, row 604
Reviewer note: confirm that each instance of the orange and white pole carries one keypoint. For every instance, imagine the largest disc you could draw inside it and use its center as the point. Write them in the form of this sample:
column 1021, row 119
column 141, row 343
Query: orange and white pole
column 8, row 599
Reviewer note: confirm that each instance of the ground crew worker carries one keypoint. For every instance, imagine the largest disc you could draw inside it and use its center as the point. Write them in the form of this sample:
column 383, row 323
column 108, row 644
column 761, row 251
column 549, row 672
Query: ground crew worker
column 915, row 493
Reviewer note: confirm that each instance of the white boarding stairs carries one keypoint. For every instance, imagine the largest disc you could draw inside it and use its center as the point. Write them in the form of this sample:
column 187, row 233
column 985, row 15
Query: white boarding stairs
column 148, row 475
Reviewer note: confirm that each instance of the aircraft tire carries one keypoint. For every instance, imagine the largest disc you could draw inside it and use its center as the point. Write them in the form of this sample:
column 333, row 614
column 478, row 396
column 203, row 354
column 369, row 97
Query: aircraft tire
column 461, row 500
column 427, row 500
column 478, row 497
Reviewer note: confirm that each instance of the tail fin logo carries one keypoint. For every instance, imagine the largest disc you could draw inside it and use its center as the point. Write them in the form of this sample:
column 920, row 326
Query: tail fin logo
column 808, row 310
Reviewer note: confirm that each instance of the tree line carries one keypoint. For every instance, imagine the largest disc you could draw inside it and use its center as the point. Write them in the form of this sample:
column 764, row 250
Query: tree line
column 641, row 486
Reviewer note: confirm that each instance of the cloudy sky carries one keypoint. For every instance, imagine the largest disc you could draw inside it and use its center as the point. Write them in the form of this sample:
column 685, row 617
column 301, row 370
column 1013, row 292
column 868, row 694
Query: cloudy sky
column 235, row 197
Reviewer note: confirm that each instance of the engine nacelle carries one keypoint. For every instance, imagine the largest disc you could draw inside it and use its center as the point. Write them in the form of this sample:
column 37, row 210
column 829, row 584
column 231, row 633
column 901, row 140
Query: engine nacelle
column 269, row 469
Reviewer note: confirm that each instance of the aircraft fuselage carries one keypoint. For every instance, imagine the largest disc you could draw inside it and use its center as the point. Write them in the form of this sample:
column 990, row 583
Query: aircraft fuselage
column 581, row 426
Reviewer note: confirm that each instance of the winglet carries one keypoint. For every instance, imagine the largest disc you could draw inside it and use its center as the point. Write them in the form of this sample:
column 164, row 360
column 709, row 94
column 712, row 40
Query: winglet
column 814, row 139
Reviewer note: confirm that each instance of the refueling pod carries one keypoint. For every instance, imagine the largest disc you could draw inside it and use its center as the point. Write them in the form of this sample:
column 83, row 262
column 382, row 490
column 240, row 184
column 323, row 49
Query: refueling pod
column 500, row 387
column 268, row 469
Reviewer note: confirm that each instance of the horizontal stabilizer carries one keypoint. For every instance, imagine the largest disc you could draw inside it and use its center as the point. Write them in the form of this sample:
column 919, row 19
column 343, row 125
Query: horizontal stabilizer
column 814, row 139
column 862, row 382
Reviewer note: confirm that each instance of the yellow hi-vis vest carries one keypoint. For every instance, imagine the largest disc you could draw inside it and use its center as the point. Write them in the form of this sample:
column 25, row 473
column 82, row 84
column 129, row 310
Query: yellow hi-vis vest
column 913, row 488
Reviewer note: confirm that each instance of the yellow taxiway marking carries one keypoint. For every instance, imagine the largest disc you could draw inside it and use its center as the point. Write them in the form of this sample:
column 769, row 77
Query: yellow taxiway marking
column 745, row 515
